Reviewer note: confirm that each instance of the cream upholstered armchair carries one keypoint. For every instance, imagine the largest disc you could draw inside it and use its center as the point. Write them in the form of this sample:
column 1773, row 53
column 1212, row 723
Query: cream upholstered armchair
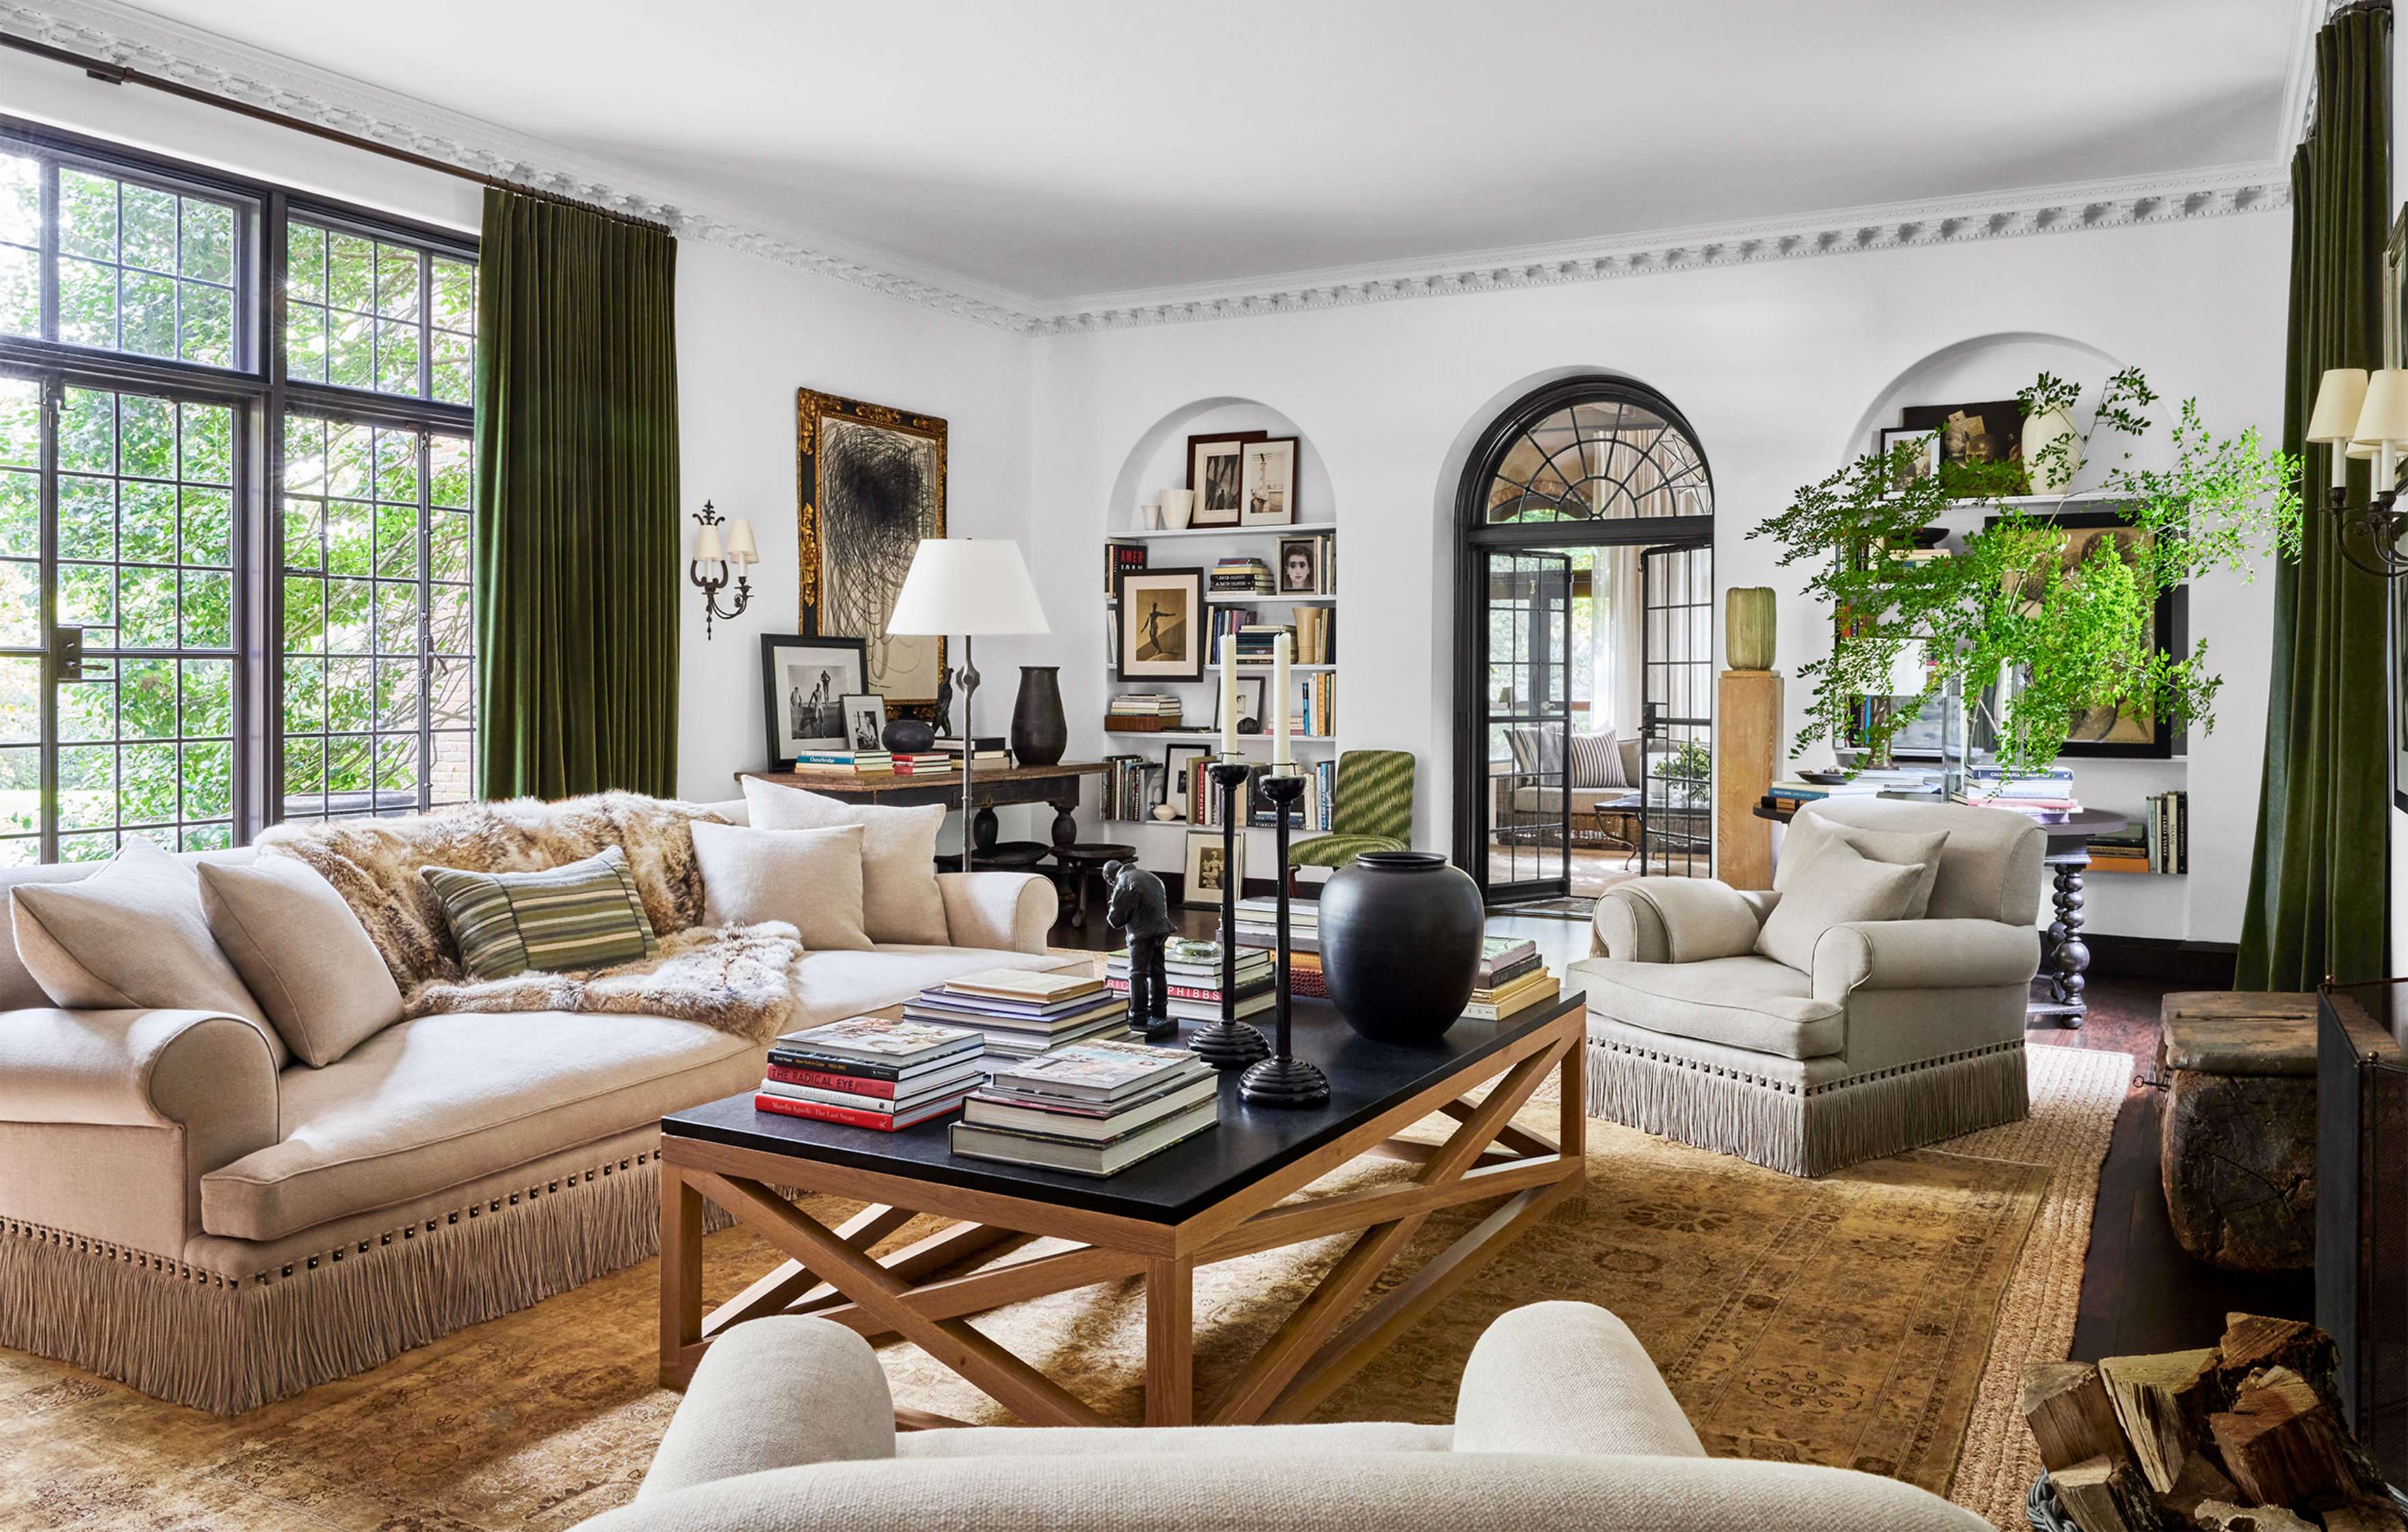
column 1871, row 1002
column 1561, row 1426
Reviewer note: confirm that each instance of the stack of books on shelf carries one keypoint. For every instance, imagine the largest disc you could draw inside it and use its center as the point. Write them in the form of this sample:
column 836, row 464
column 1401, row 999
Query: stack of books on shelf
column 1310, row 813
column 989, row 748
column 1325, row 568
column 2046, row 796
column 1258, row 929
column 1143, row 712
column 1316, row 635
column 1239, row 575
column 1128, row 786
column 1511, row 977
column 1788, row 792
column 1316, row 710
column 1094, row 1109
column 1194, row 971
column 1204, row 799
column 1226, row 620
column 2125, row 850
column 926, row 763
column 1119, row 556
column 868, row 1072
column 1259, row 642
column 849, row 762
column 2169, row 833
column 1019, row 1011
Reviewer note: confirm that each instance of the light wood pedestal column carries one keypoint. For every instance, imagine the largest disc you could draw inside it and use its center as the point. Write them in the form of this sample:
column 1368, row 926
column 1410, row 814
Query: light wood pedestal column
column 1747, row 757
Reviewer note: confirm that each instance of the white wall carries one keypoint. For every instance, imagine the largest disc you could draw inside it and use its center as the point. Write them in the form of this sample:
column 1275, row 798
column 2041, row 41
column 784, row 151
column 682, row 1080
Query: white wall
column 1781, row 367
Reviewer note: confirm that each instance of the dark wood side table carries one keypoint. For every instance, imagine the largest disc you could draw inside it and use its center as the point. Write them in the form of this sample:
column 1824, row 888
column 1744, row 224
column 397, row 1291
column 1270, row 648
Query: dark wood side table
column 1059, row 784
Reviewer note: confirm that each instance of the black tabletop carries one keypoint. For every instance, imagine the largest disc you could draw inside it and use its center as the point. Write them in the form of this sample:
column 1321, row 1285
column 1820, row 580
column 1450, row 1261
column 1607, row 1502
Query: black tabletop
column 1249, row 1142
column 2079, row 825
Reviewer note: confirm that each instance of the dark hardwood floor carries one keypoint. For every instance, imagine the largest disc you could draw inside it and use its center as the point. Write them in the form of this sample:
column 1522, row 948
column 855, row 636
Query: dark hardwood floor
column 2140, row 1292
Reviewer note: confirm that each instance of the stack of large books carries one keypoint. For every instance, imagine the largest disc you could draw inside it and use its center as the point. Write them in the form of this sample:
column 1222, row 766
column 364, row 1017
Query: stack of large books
column 871, row 1072
column 2046, row 796
column 1135, row 711
column 1258, row 642
column 1019, row 1011
column 926, row 763
column 1242, row 575
column 1511, row 975
column 1192, row 969
column 847, row 760
column 989, row 748
column 1259, row 930
column 1094, row 1109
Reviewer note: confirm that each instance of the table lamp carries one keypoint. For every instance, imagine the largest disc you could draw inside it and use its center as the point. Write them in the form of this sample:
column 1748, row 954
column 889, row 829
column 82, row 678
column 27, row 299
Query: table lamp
column 969, row 586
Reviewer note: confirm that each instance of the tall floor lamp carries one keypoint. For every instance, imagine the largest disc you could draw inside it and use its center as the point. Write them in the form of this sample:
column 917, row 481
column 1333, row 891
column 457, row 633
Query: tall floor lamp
column 969, row 586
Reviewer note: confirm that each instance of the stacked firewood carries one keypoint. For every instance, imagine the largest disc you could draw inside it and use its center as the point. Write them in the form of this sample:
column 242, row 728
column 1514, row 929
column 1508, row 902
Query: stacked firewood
column 2246, row 1436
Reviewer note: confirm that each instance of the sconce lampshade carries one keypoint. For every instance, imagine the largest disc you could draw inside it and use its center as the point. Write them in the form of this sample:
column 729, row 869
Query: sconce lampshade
column 2341, row 395
column 739, row 542
column 2384, row 417
column 706, row 548
column 969, row 586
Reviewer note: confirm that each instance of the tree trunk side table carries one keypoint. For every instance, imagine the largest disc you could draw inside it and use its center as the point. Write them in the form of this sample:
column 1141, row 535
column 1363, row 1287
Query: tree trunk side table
column 2237, row 1135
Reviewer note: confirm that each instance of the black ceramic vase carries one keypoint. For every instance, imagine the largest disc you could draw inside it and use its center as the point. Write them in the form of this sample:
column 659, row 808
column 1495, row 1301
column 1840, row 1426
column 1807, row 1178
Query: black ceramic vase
column 1401, row 944
column 1039, row 732
column 908, row 735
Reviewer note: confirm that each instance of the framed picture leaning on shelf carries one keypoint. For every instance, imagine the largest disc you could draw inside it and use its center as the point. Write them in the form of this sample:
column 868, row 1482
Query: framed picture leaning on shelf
column 2120, row 731
column 1209, row 864
column 1250, row 704
column 865, row 720
column 1216, row 471
column 1163, row 624
column 804, row 682
column 1267, row 487
column 1300, row 566
column 1177, row 761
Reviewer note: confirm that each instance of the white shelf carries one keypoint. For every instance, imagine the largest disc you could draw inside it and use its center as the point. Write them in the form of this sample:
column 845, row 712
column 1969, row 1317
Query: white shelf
column 1297, row 529
column 1212, row 736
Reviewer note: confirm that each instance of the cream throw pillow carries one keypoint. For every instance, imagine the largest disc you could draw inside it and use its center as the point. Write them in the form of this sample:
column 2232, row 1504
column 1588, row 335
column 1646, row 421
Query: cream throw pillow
column 131, row 937
column 301, row 953
column 809, row 878
column 1899, row 849
column 899, row 901
column 1839, row 886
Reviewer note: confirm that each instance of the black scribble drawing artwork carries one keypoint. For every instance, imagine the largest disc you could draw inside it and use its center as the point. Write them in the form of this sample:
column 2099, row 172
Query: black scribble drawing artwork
column 874, row 485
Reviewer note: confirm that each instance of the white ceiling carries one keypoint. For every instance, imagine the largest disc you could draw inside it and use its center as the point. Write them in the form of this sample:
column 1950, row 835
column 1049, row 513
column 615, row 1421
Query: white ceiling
column 1061, row 149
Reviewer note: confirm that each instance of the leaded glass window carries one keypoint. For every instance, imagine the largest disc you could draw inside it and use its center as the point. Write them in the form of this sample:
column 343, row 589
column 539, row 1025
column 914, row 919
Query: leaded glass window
column 1597, row 460
column 367, row 313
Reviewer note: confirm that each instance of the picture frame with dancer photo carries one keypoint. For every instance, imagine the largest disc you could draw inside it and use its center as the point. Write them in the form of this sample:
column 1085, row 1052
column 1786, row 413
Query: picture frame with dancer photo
column 804, row 682
column 1162, row 621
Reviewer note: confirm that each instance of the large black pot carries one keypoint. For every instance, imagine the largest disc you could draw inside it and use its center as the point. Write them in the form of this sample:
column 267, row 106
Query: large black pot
column 1039, row 734
column 1401, row 944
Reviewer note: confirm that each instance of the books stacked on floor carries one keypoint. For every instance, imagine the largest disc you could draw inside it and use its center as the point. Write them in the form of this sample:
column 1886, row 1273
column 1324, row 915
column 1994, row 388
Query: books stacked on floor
column 1120, row 556
column 986, row 749
column 926, row 763
column 1258, row 929
column 1128, row 786
column 1317, row 635
column 1258, row 642
column 1193, row 971
column 2169, row 832
column 1019, row 1011
column 1510, row 977
column 1093, row 1109
column 872, row 1072
column 2046, row 796
column 853, row 761
column 1136, row 712
column 1239, row 575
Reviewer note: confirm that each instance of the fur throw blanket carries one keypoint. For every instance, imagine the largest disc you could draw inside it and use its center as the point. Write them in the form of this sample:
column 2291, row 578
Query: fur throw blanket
column 737, row 980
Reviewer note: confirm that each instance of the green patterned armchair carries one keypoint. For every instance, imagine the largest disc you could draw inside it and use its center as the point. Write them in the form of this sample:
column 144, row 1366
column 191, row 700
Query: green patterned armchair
column 1374, row 811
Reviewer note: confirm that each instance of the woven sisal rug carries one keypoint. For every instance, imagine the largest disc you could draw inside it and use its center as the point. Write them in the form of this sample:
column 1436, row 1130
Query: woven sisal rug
column 1875, row 1318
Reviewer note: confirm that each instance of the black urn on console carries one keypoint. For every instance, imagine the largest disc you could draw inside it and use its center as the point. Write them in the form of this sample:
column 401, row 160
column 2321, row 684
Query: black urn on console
column 1401, row 937
column 908, row 735
column 1039, row 734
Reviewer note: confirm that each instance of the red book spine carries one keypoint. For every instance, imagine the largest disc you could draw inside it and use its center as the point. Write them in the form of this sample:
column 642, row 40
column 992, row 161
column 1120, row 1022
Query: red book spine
column 824, row 1113
column 1181, row 992
column 786, row 1074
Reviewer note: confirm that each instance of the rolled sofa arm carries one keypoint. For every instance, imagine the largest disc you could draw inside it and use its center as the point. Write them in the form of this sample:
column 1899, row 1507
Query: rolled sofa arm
column 1001, row 911
column 1923, row 954
column 1676, row 920
column 776, row 1392
column 1568, row 1379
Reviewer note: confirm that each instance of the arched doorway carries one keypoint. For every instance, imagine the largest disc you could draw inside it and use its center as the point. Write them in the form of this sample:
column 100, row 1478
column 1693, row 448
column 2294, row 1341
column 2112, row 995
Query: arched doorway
column 1584, row 610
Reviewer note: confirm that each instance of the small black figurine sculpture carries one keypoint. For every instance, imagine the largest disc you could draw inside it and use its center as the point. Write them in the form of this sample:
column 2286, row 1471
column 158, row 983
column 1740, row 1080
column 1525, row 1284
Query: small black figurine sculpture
column 1140, row 911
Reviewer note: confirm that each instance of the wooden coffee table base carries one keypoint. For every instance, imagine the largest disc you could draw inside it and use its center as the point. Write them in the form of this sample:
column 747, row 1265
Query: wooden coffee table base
column 909, row 1293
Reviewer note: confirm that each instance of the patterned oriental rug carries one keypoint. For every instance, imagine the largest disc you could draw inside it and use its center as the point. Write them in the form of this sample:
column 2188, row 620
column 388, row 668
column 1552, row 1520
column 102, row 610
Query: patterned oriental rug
column 1874, row 1319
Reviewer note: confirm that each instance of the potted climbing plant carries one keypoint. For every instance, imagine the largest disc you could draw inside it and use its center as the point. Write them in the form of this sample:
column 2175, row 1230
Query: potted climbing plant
column 2066, row 635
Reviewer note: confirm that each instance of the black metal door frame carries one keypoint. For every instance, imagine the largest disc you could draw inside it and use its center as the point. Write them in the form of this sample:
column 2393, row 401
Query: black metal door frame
column 1674, row 835
column 1538, row 592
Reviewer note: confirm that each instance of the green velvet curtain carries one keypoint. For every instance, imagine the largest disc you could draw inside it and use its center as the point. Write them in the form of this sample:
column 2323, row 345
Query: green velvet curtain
column 578, row 534
column 2317, row 880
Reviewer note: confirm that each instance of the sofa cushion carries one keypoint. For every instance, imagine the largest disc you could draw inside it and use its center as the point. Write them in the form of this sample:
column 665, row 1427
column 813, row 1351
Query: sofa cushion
column 899, row 900
column 577, row 916
column 1202, row 1440
column 131, row 936
column 1740, row 1002
column 809, row 878
column 1840, row 886
column 830, row 986
column 440, row 1100
column 301, row 953
column 1901, row 849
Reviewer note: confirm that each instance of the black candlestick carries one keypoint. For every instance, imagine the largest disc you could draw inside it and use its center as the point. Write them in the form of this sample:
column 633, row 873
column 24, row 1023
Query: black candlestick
column 1282, row 1080
column 1228, row 1043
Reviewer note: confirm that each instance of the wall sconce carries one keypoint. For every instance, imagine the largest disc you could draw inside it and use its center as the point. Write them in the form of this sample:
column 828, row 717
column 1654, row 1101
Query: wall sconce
column 2358, row 415
column 711, row 554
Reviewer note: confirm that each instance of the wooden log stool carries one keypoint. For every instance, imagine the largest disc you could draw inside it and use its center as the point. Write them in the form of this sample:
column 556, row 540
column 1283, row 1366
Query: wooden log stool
column 2237, row 1136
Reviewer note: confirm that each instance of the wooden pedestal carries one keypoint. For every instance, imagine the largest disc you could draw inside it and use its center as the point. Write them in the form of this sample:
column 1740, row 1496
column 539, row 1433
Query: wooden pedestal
column 1747, row 758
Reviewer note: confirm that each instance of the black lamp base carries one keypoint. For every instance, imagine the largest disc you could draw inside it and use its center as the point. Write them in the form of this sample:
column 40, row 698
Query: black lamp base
column 1284, row 1082
column 1228, row 1045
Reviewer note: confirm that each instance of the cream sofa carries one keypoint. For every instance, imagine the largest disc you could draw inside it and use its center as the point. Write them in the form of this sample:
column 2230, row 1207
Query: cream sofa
column 179, row 1214
column 1561, row 1426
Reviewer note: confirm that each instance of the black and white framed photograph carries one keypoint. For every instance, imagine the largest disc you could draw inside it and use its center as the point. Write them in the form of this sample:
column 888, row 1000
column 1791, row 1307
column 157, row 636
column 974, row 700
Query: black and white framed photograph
column 1926, row 462
column 865, row 720
column 1209, row 867
column 1162, row 624
column 1178, row 763
column 1216, row 471
column 1266, row 486
column 804, row 682
column 1299, row 566
column 1250, row 704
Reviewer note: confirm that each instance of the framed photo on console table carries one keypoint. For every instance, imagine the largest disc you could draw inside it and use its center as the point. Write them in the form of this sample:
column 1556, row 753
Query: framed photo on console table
column 804, row 682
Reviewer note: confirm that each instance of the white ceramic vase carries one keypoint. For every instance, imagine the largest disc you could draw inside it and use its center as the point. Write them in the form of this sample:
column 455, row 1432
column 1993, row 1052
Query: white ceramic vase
column 2042, row 432
column 1177, row 507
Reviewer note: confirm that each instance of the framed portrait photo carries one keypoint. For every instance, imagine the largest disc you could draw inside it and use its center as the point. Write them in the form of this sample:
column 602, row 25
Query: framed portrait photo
column 1299, row 566
column 1163, row 623
column 1267, row 482
column 865, row 720
column 1211, row 866
column 1216, row 471
column 804, row 683
column 1926, row 447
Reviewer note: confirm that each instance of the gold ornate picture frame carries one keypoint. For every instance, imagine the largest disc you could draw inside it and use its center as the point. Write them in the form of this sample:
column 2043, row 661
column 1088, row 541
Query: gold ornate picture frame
column 869, row 484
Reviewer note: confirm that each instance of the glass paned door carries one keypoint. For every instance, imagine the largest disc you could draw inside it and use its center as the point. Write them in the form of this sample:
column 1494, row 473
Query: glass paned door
column 1527, row 850
column 117, row 514
column 1676, row 754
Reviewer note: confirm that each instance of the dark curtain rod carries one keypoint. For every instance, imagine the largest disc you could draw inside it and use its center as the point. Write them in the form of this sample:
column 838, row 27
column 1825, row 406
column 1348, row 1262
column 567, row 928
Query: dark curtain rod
column 118, row 74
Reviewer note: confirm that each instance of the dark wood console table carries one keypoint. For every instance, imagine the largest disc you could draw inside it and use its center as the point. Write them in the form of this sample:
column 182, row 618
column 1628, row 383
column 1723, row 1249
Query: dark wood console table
column 1059, row 784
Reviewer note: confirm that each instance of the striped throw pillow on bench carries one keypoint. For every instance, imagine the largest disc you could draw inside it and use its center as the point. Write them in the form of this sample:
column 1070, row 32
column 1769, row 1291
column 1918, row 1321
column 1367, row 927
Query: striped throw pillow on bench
column 580, row 915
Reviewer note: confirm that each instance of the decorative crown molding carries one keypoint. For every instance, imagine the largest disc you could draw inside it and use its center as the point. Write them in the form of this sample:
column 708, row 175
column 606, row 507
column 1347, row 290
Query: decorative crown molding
column 205, row 61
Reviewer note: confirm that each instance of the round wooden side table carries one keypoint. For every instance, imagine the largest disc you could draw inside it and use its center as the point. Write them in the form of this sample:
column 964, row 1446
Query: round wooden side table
column 1085, row 862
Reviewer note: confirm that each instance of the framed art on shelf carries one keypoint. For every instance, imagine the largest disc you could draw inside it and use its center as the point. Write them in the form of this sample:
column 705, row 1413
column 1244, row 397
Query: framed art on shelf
column 1216, row 471
column 804, row 682
column 1209, row 864
column 1300, row 566
column 1925, row 444
column 1250, row 704
column 1177, row 760
column 1163, row 623
column 1975, row 433
column 2117, row 732
column 865, row 720
column 1267, row 484
column 870, row 482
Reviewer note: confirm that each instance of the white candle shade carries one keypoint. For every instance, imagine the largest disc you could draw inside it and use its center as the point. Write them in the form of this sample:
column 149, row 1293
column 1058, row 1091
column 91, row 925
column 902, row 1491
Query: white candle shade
column 2384, row 417
column 706, row 546
column 2339, row 396
column 739, row 542
column 969, row 586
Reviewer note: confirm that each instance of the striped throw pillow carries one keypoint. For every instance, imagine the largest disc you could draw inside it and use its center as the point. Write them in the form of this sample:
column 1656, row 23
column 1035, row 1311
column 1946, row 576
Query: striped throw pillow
column 1596, row 761
column 583, row 915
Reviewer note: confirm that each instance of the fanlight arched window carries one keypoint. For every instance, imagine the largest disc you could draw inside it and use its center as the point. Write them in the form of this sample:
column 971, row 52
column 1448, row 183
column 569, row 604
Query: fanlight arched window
column 1605, row 458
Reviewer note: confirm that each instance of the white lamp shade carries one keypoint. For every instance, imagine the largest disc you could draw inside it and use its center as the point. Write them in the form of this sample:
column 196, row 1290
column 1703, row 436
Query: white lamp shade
column 2341, row 395
column 969, row 586
column 739, row 542
column 2385, row 415
column 706, row 546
